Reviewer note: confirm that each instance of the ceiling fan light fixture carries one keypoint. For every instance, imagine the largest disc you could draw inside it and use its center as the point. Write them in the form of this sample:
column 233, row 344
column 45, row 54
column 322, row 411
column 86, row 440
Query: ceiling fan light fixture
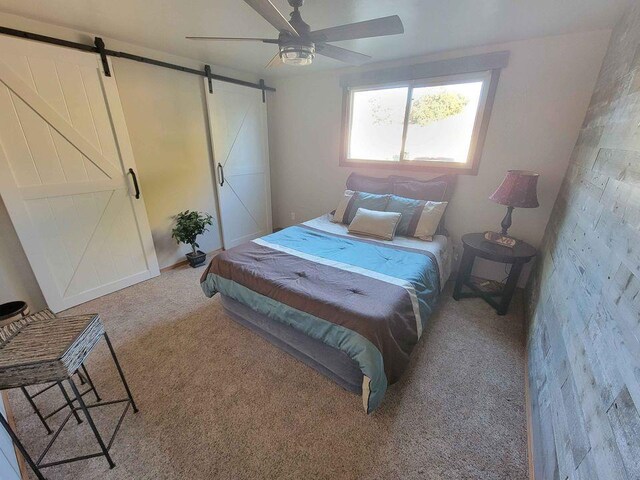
column 298, row 55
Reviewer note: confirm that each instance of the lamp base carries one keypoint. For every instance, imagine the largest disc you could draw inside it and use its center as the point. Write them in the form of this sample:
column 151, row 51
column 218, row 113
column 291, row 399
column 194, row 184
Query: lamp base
column 506, row 221
column 499, row 239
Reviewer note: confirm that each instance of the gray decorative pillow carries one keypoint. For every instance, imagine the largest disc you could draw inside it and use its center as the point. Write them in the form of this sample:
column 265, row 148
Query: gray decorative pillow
column 373, row 223
column 364, row 183
column 430, row 191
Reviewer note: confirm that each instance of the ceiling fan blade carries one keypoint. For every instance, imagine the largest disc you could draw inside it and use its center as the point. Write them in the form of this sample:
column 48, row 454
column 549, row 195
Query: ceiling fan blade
column 342, row 54
column 276, row 61
column 242, row 39
column 369, row 28
column 272, row 15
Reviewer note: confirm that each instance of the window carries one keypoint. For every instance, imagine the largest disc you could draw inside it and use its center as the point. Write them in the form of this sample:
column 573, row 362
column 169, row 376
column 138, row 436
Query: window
column 432, row 123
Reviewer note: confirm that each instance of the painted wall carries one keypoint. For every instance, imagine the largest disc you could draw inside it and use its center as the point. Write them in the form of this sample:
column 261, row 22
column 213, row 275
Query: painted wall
column 166, row 117
column 584, row 300
column 17, row 281
column 541, row 100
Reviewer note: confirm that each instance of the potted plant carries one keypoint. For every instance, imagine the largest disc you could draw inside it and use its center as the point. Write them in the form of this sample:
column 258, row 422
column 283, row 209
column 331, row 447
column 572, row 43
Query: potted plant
column 188, row 226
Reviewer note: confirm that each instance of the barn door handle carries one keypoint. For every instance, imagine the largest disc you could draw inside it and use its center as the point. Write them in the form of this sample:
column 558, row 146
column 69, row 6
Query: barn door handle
column 221, row 174
column 135, row 182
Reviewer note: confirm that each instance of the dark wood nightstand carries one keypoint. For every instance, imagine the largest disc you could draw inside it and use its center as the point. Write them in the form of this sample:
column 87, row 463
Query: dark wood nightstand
column 476, row 246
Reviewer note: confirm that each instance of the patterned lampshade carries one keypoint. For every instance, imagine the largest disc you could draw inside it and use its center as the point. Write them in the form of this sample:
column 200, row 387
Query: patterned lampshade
column 518, row 189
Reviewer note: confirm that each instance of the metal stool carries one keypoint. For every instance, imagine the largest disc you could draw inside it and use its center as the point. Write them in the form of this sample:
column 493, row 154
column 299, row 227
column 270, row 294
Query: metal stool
column 83, row 377
column 36, row 350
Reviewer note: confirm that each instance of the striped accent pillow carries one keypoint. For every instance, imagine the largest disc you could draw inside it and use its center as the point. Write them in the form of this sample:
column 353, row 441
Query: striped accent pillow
column 338, row 215
column 425, row 220
column 351, row 201
column 407, row 207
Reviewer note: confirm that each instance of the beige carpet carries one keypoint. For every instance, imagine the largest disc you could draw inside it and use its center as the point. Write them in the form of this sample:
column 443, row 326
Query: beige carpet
column 217, row 401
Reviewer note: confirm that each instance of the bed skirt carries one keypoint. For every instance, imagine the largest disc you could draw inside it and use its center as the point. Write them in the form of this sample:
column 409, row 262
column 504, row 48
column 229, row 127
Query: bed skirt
column 330, row 362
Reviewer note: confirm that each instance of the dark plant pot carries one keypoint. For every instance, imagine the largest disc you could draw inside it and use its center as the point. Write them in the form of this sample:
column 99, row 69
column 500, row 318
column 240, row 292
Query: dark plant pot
column 196, row 259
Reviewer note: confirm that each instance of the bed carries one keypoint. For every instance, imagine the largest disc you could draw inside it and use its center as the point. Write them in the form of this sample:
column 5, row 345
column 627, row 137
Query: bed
column 351, row 307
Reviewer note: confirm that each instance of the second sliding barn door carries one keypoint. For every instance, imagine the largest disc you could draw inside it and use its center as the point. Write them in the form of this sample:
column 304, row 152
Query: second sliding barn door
column 238, row 124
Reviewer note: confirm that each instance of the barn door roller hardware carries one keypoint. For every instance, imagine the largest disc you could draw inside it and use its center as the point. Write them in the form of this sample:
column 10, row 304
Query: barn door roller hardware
column 261, row 83
column 99, row 43
column 104, row 53
column 207, row 73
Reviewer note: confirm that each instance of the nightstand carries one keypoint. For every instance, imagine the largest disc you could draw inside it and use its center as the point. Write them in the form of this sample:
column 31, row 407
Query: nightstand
column 475, row 245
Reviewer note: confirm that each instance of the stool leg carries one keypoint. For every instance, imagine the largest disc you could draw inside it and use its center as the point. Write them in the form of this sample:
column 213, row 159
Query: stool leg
column 81, row 377
column 84, row 408
column 90, row 382
column 124, row 381
column 36, row 410
column 69, row 402
column 21, row 449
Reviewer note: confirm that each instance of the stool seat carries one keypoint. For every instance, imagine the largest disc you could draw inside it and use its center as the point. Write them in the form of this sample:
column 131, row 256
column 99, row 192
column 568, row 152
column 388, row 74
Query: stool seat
column 47, row 350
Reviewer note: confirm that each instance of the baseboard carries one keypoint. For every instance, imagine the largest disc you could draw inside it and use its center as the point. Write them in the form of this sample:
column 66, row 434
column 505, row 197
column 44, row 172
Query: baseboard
column 527, row 393
column 12, row 423
column 185, row 261
column 529, row 414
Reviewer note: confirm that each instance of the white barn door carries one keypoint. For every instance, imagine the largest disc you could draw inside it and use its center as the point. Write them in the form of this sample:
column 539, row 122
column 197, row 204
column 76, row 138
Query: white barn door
column 65, row 158
column 238, row 124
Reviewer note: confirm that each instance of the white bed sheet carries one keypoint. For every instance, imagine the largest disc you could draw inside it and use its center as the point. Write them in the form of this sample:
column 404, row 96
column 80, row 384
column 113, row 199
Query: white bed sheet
column 440, row 246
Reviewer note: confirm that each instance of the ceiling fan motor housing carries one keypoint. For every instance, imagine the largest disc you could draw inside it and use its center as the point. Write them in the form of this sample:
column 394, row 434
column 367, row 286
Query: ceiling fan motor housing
column 296, row 21
column 297, row 50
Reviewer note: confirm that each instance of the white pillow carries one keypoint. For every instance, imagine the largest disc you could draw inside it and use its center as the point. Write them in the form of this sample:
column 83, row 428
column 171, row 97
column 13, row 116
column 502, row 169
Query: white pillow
column 338, row 215
column 373, row 223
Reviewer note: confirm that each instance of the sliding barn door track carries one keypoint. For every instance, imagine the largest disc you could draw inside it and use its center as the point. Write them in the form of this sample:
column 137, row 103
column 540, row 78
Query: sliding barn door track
column 99, row 47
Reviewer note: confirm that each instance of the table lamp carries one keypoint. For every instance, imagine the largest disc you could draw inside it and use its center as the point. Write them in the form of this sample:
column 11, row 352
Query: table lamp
column 517, row 190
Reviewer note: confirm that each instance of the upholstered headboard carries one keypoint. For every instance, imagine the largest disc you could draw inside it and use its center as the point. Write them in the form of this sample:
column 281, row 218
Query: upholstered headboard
column 437, row 189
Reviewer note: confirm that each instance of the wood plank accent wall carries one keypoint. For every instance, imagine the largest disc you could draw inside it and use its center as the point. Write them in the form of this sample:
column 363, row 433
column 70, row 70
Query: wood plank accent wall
column 584, row 297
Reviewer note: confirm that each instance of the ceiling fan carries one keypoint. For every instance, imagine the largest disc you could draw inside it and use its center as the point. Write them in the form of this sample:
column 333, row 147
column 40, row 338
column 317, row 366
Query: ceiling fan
column 298, row 45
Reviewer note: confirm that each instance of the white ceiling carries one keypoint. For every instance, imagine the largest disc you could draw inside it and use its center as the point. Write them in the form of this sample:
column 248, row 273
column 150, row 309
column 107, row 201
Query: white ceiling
column 430, row 25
